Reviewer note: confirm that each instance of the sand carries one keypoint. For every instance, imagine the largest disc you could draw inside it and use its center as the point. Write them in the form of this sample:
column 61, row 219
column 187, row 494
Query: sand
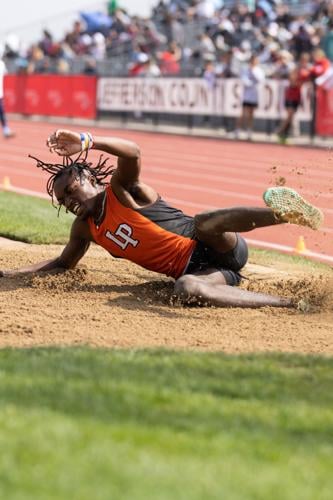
column 113, row 303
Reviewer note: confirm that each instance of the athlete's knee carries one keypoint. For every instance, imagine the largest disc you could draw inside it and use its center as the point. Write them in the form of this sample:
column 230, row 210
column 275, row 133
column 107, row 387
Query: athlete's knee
column 187, row 286
column 203, row 224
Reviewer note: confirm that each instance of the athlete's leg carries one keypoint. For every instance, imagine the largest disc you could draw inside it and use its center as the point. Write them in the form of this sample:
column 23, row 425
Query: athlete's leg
column 286, row 124
column 210, row 288
column 217, row 228
column 249, row 125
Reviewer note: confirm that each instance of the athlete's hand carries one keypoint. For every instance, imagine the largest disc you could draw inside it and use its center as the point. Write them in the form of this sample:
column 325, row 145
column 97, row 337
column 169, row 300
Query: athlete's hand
column 64, row 142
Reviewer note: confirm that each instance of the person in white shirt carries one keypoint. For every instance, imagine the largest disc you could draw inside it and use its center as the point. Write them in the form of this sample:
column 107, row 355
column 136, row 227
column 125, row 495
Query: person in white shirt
column 6, row 130
column 250, row 77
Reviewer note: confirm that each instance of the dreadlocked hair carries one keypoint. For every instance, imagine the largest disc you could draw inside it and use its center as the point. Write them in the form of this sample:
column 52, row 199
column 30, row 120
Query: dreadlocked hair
column 80, row 164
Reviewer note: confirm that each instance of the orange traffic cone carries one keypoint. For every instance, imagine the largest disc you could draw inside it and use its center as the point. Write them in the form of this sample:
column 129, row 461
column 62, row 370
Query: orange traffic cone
column 6, row 183
column 300, row 245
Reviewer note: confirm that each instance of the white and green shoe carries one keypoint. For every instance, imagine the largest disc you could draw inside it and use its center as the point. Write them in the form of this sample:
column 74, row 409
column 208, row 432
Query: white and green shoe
column 290, row 207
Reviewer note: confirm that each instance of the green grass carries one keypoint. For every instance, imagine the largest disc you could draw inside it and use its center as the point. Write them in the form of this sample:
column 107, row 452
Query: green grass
column 32, row 220
column 271, row 257
column 84, row 423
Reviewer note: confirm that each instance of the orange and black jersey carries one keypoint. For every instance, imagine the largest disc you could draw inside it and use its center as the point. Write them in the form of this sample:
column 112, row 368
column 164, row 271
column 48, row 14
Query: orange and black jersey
column 146, row 236
column 169, row 218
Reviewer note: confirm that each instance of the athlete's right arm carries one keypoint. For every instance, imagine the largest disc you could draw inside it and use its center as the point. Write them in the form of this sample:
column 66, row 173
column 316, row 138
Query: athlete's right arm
column 68, row 143
column 73, row 252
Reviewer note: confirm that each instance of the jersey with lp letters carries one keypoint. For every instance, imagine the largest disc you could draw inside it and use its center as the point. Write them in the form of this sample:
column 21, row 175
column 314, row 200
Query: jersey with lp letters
column 128, row 234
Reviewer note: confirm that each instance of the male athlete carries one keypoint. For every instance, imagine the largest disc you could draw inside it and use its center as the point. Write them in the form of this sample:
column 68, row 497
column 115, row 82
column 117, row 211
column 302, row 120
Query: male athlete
column 204, row 253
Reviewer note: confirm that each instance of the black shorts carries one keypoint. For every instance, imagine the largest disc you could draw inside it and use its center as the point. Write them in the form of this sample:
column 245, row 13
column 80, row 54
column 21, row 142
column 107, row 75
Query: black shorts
column 252, row 105
column 291, row 104
column 229, row 263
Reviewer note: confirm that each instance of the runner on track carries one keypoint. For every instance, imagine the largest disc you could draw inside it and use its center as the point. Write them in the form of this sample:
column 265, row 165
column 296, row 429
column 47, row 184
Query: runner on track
column 204, row 253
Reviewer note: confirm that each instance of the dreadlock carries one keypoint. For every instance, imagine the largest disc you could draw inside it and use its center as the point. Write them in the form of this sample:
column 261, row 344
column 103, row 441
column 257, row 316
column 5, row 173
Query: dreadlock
column 80, row 164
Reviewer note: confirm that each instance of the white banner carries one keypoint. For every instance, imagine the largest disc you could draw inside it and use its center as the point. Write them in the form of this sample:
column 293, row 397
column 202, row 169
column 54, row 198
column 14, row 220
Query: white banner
column 194, row 96
column 167, row 95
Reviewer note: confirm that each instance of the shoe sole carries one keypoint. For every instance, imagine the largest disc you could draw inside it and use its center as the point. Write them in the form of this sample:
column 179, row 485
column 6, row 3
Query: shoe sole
column 292, row 208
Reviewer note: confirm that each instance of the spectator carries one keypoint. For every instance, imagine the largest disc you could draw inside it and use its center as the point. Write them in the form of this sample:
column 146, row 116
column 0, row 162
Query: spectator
column 89, row 66
column 263, row 28
column 169, row 60
column 302, row 42
column 209, row 75
column 7, row 133
column 151, row 68
column 112, row 7
column 250, row 77
column 138, row 67
column 327, row 41
column 320, row 63
column 98, row 48
column 292, row 100
column 225, row 67
column 207, row 47
column 283, row 66
column 205, row 8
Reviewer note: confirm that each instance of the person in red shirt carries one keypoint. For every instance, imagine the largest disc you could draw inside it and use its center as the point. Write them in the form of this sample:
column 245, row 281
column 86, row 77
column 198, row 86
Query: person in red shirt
column 292, row 96
column 169, row 60
column 320, row 64
column 128, row 218
column 320, row 68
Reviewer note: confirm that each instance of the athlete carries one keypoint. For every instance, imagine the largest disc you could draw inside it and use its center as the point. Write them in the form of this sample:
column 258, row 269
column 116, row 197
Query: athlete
column 204, row 253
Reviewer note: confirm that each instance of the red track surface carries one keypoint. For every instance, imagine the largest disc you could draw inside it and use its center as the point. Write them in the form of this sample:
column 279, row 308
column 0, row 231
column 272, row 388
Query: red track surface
column 198, row 174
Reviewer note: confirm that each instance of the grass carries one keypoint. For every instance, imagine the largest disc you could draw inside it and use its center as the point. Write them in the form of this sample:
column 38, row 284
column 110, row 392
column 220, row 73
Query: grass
column 271, row 257
column 84, row 423
column 32, row 220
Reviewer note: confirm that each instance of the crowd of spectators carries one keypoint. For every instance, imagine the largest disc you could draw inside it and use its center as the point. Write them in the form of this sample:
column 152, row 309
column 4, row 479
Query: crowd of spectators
column 214, row 38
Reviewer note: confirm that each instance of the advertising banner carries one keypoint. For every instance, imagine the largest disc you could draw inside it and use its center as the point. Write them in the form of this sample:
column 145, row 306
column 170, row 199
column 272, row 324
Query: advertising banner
column 51, row 95
column 324, row 112
column 194, row 96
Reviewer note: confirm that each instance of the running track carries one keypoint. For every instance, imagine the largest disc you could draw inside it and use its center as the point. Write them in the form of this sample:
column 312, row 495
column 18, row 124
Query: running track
column 198, row 174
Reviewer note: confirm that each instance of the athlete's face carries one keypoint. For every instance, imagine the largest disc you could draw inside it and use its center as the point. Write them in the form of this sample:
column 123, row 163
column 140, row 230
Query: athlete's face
column 76, row 193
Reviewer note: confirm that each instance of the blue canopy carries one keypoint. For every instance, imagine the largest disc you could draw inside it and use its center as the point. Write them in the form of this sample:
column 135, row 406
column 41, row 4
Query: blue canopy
column 96, row 21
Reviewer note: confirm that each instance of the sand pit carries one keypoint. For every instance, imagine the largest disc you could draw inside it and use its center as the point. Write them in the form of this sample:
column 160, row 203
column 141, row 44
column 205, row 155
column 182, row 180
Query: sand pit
column 111, row 303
